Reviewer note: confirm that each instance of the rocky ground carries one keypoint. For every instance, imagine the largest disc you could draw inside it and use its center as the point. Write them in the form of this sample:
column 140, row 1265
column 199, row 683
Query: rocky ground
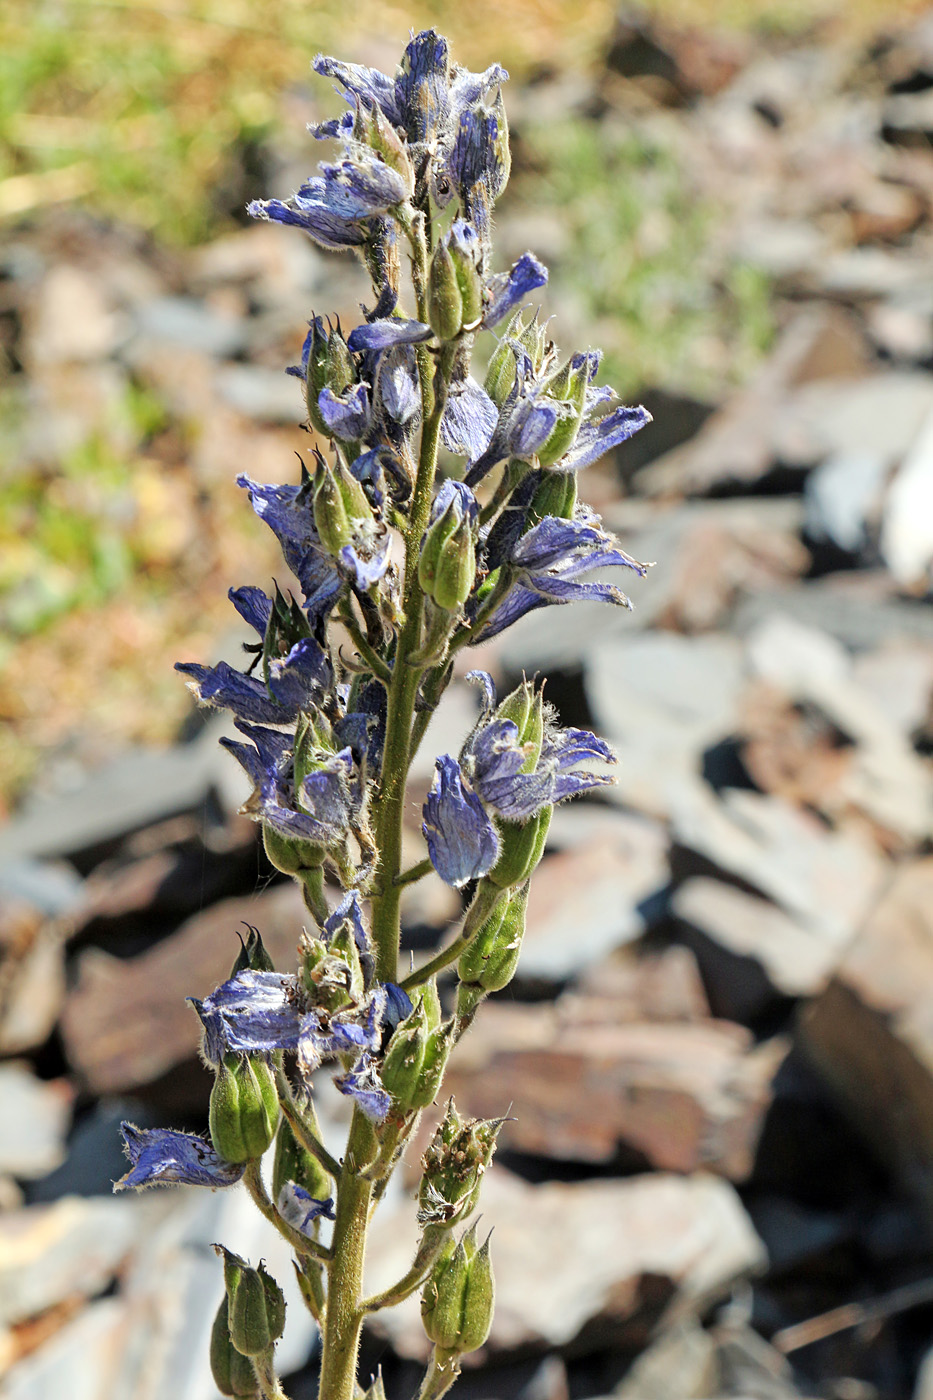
column 718, row 1176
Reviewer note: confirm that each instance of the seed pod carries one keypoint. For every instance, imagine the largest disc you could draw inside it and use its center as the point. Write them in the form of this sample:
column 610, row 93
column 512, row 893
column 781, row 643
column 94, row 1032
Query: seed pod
column 244, row 1108
column 232, row 1371
column 454, row 1164
column 491, row 957
column 556, row 495
column 256, row 1311
column 252, row 956
column 459, row 1296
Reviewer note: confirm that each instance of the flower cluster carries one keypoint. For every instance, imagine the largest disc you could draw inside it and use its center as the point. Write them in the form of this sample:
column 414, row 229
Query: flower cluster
column 437, row 505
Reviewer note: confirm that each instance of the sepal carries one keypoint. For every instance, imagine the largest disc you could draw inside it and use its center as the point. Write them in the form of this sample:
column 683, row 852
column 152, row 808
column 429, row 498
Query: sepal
column 232, row 1371
column 255, row 1305
column 244, row 1108
column 459, row 1297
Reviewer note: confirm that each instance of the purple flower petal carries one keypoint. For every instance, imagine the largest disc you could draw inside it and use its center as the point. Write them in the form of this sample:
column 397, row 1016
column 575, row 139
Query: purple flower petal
column 258, row 1012
column 595, row 439
column 346, row 417
column 389, row 331
column 301, row 1210
column 507, row 290
column 161, row 1157
column 362, row 1085
column 469, row 419
column 254, row 606
column 462, row 841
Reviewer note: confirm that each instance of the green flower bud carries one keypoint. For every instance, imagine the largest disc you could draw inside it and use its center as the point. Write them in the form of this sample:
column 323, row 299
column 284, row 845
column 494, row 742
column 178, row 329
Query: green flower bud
column 445, row 300
column 244, row 1108
column 556, row 495
column 291, row 854
column 372, row 129
column 520, row 849
column 500, row 372
column 469, row 280
column 331, row 519
column 330, row 366
column 292, row 1162
column 255, row 1307
column 459, row 1296
column 447, row 564
column 524, row 706
column 568, row 387
column 232, row 1371
column 503, row 162
column 416, row 1057
column 454, row 1164
column 252, row 956
column 331, row 972
column 491, row 957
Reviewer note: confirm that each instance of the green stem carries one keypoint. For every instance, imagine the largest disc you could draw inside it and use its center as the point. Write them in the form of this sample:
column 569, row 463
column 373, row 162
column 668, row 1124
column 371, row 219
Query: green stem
column 415, row 872
column 390, row 803
column 266, row 1378
column 345, row 1275
column 373, row 660
column 312, row 888
column 430, row 1247
column 442, row 1372
column 252, row 1179
column 484, row 902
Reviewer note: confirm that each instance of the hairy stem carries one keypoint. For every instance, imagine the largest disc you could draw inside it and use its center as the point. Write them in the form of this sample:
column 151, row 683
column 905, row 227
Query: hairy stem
column 484, row 902
column 345, row 1275
column 442, row 1372
column 266, row 1379
column 306, row 1132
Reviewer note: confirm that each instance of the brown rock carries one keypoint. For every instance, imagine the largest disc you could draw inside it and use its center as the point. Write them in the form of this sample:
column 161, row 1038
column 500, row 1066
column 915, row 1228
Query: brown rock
column 871, row 1032
column 126, row 1023
column 606, row 1259
column 631, row 985
column 737, row 443
column 684, row 1096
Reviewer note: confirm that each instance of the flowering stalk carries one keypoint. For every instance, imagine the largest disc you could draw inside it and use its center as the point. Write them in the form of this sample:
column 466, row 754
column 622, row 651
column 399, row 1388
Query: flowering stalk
column 479, row 481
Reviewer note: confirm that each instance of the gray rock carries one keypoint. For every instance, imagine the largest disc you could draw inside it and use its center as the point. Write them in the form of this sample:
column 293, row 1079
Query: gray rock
column 826, row 880
column 798, row 959
column 71, row 1248
column 907, row 527
column 899, row 678
column 135, row 789
column 843, row 498
column 885, row 779
column 615, row 1241
column 679, row 1365
column 858, row 622
column 268, row 395
column 189, row 322
column 661, row 699
column 35, row 1117
column 72, row 319
column 80, row 1360
column 878, row 416
column 595, row 889
column 52, row 887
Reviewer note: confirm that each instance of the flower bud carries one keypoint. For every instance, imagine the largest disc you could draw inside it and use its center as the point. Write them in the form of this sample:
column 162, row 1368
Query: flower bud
column 232, row 1371
column 447, row 564
column 454, row 1164
column 372, row 129
column 524, row 706
column 491, row 957
column 500, row 372
column 295, row 1163
column 252, row 956
column 465, row 252
column 568, row 388
column 255, row 1305
column 520, row 849
column 331, row 519
column 459, row 1296
column 556, row 494
column 330, row 974
column 244, row 1108
column 329, row 366
column 445, row 301
column 415, row 1059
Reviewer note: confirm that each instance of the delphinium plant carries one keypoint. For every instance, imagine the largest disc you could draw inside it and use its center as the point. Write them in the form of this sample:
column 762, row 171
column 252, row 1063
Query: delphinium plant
column 438, row 511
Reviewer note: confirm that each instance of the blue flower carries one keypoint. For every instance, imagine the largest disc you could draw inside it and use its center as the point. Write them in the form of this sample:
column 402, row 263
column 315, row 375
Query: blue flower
column 363, row 1086
column 495, row 763
column 469, row 420
column 462, row 841
column 597, row 438
column 253, row 1013
column 386, row 332
column 287, row 510
column 346, row 416
column 161, row 1157
column 301, row 1210
column 396, row 382
column 546, row 564
column 296, row 682
column 321, row 809
column 507, row 290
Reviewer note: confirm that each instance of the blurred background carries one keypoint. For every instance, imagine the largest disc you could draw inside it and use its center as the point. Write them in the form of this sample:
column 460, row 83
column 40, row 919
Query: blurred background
column 719, row 1048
